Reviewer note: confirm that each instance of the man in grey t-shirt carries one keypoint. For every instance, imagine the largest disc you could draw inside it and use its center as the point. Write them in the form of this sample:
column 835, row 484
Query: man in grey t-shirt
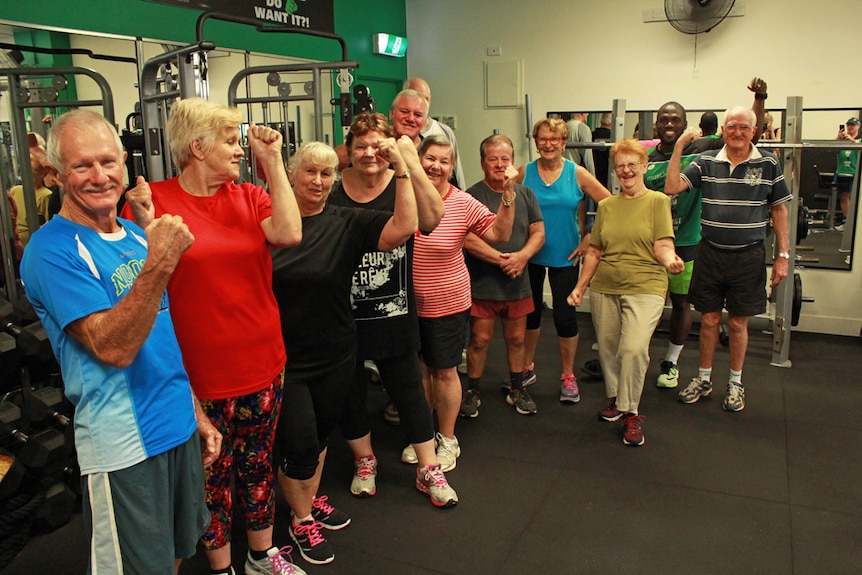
column 498, row 275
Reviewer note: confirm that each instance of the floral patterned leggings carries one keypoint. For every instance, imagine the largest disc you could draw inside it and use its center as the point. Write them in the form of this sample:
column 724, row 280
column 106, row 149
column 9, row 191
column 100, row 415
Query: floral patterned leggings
column 247, row 424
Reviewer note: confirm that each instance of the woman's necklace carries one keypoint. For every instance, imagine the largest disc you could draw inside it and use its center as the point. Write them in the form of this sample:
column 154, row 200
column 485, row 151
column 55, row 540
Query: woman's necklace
column 549, row 175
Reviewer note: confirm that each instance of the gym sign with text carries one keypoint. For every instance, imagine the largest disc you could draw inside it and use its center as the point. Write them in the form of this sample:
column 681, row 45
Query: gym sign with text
column 317, row 15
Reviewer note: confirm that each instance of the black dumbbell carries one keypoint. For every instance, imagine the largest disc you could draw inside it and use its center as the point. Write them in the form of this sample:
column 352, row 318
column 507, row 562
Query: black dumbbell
column 32, row 339
column 10, row 353
column 57, row 508
column 44, row 406
column 43, row 452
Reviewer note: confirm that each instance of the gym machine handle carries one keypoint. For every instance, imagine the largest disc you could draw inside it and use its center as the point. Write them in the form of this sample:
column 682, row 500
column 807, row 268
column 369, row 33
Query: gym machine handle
column 199, row 27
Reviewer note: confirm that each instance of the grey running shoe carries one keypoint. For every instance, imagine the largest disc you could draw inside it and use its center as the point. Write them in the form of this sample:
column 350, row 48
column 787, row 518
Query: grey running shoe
column 696, row 389
column 522, row 401
column 569, row 391
column 470, row 404
column 364, row 482
column 735, row 398
column 462, row 367
column 408, row 456
column 431, row 480
column 273, row 564
column 448, row 452
column 528, row 377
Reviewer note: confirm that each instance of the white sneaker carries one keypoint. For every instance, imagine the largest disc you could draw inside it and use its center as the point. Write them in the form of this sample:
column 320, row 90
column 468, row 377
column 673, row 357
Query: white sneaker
column 364, row 482
column 273, row 564
column 409, row 456
column 431, row 480
column 448, row 451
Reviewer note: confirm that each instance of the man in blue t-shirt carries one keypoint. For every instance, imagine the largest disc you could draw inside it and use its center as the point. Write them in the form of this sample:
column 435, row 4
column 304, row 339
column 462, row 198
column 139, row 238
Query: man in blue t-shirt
column 98, row 285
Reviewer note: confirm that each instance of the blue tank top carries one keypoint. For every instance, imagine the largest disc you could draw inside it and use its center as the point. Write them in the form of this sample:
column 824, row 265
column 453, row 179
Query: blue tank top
column 559, row 203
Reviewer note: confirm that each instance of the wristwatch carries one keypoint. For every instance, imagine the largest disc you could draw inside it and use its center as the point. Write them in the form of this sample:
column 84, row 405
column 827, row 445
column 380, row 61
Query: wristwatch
column 784, row 255
column 404, row 176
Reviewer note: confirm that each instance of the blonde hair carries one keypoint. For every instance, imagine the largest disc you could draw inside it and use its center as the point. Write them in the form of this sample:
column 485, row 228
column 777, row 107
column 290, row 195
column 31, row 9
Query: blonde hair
column 317, row 153
column 629, row 146
column 197, row 119
column 555, row 125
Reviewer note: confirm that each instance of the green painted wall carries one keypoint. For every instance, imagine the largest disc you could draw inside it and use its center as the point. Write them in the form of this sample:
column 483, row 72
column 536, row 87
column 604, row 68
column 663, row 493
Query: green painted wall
column 354, row 21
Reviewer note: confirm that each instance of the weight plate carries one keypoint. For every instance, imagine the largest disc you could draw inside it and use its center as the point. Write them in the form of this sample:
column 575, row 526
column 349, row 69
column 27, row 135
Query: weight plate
column 59, row 82
column 796, row 309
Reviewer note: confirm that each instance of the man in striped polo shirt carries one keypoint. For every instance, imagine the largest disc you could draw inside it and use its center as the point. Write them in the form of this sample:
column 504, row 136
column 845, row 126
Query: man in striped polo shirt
column 742, row 189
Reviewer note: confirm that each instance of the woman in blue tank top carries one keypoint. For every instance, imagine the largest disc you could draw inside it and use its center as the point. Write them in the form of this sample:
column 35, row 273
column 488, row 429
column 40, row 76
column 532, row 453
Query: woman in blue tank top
column 559, row 185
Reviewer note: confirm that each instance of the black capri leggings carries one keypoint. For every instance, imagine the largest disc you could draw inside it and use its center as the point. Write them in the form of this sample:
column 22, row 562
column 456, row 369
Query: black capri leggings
column 402, row 378
column 311, row 409
column 563, row 281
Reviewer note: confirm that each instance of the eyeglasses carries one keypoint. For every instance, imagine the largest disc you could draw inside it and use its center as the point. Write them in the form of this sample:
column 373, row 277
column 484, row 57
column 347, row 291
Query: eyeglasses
column 554, row 140
column 631, row 166
column 735, row 127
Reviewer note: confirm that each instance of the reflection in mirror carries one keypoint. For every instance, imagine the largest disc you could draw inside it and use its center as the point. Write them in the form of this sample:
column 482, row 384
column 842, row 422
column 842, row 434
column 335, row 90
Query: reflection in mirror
column 826, row 234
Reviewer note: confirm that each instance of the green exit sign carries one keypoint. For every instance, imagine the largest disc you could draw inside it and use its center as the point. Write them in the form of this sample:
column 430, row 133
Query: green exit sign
column 389, row 45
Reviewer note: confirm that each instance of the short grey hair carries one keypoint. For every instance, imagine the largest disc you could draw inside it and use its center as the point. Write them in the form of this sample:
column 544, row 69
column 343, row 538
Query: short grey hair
column 76, row 120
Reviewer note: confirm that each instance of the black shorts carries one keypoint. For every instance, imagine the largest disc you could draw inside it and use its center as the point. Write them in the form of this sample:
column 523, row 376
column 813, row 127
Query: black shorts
column 443, row 339
column 732, row 279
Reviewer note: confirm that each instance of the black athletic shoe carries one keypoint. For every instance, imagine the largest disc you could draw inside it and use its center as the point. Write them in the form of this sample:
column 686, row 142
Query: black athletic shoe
column 311, row 544
column 328, row 516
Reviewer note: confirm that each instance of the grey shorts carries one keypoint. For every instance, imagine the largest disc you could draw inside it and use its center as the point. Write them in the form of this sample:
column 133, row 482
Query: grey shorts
column 139, row 520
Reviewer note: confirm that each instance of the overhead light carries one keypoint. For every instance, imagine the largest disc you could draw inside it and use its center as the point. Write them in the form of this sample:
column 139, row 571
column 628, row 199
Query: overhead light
column 389, row 45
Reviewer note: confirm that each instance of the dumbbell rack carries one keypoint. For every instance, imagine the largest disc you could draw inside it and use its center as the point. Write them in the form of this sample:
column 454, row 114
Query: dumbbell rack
column 39, row 478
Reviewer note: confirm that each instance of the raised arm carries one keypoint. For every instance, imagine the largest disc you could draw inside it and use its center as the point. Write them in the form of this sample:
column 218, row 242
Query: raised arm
column 673, row 183
column 283, row 228
column 501, row 230
column 140, row 202
column 115, row 336
column 758, row 86
column 429, row 204
column 404, row 220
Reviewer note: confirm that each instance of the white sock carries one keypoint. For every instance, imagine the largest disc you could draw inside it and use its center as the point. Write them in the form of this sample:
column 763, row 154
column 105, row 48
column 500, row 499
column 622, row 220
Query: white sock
column 673, row 351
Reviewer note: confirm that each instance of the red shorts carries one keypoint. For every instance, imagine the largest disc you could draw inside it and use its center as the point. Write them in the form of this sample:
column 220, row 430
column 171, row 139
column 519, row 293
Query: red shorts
column 509, row 309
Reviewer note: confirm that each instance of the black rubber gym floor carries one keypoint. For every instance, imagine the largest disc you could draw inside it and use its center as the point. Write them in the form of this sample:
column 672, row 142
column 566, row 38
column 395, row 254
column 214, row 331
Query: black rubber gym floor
column 774, row 489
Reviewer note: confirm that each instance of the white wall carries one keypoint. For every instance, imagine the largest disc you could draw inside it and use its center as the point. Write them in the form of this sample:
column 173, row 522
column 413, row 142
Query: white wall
column 582, row 54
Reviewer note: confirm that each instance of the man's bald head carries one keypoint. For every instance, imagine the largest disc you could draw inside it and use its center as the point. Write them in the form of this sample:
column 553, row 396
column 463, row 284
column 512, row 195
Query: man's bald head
column 421, row 86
